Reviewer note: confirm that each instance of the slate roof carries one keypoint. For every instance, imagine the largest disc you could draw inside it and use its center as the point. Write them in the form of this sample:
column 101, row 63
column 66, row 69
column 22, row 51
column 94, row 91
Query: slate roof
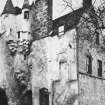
column 10, row 9
column 69, row 20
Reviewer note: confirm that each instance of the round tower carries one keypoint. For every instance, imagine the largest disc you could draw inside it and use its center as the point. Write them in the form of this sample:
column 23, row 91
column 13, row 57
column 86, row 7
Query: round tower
column 25, row 9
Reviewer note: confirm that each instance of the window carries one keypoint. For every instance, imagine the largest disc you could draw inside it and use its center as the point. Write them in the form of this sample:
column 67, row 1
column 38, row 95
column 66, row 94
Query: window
column 19, row 35
column 61, row 30
column 99, row 68
column 26, row 15
column 97, row 38
column 89, row 64
column 43, row 96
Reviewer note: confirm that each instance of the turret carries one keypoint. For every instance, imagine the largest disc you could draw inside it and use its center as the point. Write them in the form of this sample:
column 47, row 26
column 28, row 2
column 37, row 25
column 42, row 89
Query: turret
column 25, row 9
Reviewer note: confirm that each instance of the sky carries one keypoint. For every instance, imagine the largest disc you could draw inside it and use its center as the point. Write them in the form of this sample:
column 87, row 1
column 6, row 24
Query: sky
column 58, row 6
column 60, row 10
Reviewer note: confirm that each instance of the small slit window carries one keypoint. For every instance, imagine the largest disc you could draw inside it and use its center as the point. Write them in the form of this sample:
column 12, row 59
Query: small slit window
column 61, row 30
column 18, row 35
column 26, row 15
column 43, row 96
column 97, row 38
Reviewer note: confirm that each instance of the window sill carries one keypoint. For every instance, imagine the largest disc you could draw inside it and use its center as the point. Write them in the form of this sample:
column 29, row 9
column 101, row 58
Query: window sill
column 90, row 75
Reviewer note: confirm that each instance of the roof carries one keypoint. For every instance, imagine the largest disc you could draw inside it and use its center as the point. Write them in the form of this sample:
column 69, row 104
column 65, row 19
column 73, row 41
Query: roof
column 70, row 20
column 26, row 4
column 9, row 8
column 18, row 10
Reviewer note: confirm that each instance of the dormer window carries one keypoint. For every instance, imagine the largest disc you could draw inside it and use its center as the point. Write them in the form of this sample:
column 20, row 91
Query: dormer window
column 19, row 35
column 61, row 30
column 26, row 15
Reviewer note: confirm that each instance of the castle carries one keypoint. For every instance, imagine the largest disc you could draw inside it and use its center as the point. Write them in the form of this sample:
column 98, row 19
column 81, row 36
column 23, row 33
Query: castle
column 41, row 60
column 32, row 61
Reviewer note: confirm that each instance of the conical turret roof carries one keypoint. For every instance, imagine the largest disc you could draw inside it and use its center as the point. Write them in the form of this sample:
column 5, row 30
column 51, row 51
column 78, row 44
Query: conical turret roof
column 9, row 8
column 26, row 5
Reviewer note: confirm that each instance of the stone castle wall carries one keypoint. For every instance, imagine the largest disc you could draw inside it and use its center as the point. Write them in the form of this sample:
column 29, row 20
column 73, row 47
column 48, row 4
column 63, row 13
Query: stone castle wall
column 91, row 86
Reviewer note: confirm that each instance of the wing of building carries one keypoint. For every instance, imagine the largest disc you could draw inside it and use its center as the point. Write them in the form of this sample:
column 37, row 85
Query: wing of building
column 47, row 62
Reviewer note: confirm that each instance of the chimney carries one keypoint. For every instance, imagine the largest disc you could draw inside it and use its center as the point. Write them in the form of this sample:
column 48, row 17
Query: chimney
column 87, row 3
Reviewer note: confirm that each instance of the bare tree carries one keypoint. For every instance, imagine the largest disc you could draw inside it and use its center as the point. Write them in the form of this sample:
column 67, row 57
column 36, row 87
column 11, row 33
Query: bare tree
column 68, row 3
column 91, row 23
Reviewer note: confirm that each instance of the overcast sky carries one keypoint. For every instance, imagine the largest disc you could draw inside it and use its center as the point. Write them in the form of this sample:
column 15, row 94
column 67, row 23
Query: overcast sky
column 58, row 6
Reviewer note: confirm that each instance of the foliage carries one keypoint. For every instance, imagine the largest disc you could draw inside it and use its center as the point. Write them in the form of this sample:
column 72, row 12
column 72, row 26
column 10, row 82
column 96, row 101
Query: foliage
column 86, row 28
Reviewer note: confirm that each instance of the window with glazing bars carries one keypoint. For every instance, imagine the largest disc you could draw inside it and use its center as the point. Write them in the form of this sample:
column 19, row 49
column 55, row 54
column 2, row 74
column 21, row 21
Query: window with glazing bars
column 89, row 64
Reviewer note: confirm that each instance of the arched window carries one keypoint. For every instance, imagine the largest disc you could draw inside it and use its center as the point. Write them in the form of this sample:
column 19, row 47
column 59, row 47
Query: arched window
column 43, row 96
column 99, row 68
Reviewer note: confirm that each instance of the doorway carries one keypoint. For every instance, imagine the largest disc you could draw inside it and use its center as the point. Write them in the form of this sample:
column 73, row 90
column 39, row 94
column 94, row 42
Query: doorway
column 43, row 96
column 3, row 97
column 27, row 98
